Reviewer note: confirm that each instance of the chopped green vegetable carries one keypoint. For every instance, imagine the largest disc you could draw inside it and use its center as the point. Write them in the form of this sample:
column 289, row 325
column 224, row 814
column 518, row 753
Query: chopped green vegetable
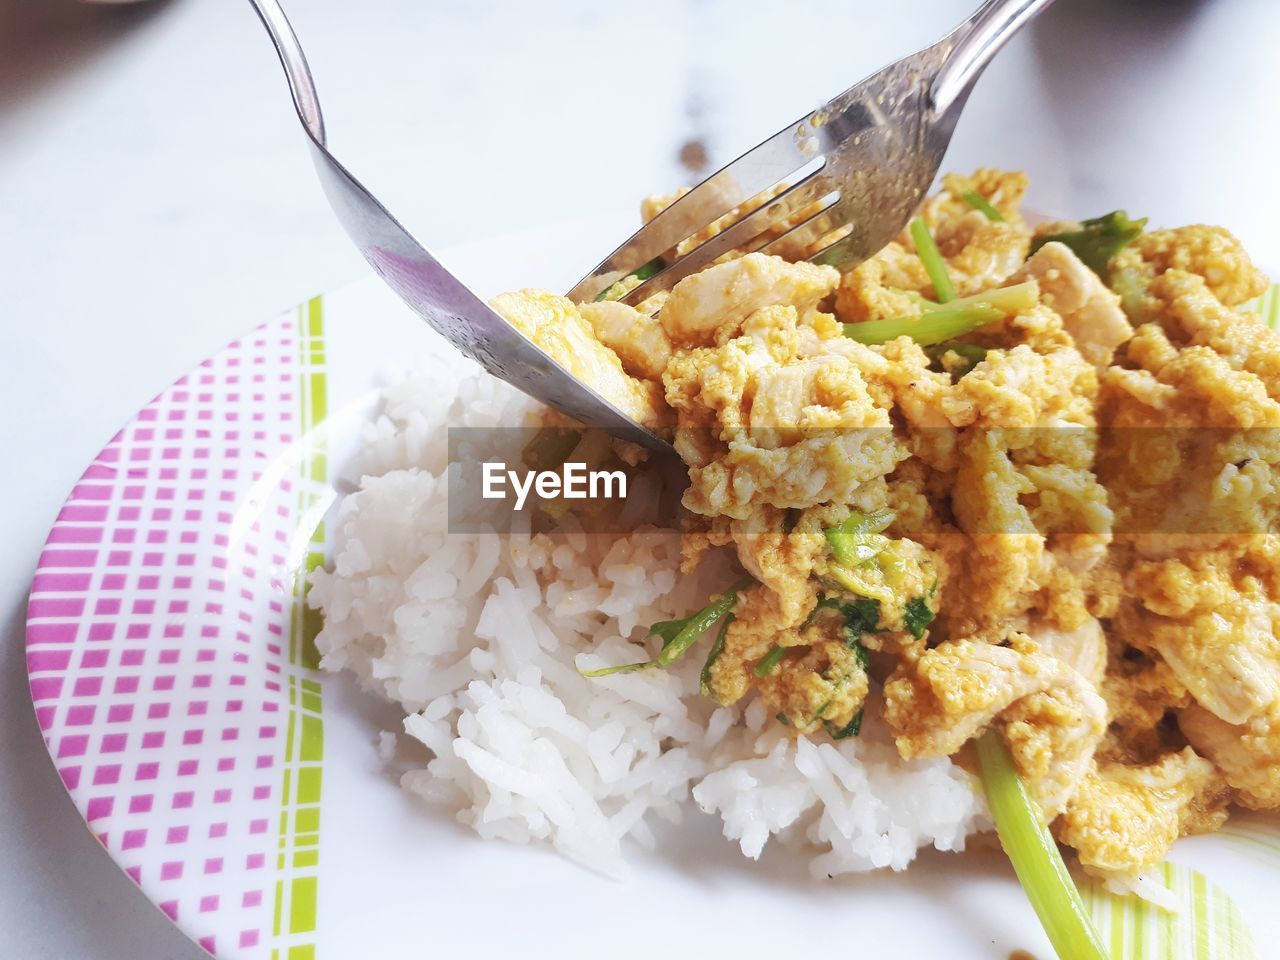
column 854, row 644
column 854, row 580
column 679, row 635
column 850, row 729
column 934, row 326
column 1097, row 240
column 1008, row 300
column 980, row 203
column 698, row 624
column 623, row 668
column 667, row 629
column 854, row 540
column 770, row 660
column 704, row 683
column 1034, row 855
column 971, row 353
column 618, row 289
column 948, row 322
column 931, row 257
column 924, row 303
column 1132, row 289
column 917, row 616
column 782, row 719
column 860, row 616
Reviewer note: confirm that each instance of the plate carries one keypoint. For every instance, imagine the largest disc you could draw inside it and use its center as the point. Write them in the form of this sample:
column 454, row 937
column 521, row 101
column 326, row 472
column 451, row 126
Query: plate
column 239, row 787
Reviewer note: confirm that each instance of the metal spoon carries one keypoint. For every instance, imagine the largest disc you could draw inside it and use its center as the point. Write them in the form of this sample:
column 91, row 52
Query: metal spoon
column 876, row 148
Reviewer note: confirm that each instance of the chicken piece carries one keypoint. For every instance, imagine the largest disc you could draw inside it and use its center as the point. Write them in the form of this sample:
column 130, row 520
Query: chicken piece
column 554, row 324
column 981, row 253
column 637, row 338
column 898, row 375
column 1170, row 512
column 1195, row 388
column 711, row 305
column 1053, row 717
column 1192, row 316
column 1004, row 552
column 782, row 394
column 1212, row 253
column 1187, row 406
column 1083, row 648
column 1227, row 656
column 783, row 560
column 1122, row 820
column 1210, row 613
column 1023, row 388
column 759, row 424
column 1090, row 312
column 1248, row 754
column 830, row 464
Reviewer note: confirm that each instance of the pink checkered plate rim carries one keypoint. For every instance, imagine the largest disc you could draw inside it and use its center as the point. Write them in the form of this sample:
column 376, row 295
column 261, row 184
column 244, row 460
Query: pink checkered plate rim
column 173, row 679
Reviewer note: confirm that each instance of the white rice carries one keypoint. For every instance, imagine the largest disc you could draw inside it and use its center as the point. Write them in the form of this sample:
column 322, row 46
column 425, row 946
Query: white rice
column 480, row 638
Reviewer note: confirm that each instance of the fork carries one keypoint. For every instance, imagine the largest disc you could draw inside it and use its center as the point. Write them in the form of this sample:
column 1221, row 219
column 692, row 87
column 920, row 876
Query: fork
column 852, row 172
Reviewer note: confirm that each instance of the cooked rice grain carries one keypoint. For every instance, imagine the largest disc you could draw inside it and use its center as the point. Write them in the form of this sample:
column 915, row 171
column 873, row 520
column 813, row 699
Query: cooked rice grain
column 480, row 639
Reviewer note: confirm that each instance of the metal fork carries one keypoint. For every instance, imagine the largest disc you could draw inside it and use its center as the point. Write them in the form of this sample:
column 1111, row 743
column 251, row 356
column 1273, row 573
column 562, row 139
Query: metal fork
column 866, row 158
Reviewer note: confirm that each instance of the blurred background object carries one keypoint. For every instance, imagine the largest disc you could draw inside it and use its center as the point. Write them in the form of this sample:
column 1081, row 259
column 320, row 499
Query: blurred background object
column 156, row 201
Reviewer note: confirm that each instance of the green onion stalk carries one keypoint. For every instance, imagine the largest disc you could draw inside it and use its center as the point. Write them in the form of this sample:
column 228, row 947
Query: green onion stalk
column 679, row 635
column 1034, row 855
column 980, row 203
column 946, row 321
column 931, row 257
column 1098, row 239
column 769, row 662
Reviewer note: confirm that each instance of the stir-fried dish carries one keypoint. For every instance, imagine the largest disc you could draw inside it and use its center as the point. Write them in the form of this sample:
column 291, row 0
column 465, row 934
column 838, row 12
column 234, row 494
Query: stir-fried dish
column 996, row 478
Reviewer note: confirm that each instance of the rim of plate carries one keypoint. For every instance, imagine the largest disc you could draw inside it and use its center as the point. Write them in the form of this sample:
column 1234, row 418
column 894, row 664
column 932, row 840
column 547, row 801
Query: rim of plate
column 159, row 710
column 187, row 535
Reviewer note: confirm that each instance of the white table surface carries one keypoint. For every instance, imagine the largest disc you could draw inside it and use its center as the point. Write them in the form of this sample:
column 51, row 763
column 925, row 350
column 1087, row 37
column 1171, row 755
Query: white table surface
column 156, row 201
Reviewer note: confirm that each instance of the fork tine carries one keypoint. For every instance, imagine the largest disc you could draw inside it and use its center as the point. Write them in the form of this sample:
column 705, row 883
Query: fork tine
column 804, row 235
column 844, row 251
column 745, row 234
column 760, row 168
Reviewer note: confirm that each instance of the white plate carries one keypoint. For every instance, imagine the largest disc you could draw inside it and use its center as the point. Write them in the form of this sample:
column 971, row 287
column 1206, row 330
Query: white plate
column 240, row 788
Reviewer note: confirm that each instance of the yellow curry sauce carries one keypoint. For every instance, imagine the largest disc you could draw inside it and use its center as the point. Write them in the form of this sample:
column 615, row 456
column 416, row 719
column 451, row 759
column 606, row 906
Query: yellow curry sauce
column 1060, row 524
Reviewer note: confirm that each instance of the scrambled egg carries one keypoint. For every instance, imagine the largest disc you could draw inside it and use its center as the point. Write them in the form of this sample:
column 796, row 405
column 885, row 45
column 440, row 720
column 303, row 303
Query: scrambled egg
column 1060, row 524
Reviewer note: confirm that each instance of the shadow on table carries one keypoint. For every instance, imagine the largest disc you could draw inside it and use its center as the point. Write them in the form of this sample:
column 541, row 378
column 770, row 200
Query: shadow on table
column 42, row 41
column 49, row 854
